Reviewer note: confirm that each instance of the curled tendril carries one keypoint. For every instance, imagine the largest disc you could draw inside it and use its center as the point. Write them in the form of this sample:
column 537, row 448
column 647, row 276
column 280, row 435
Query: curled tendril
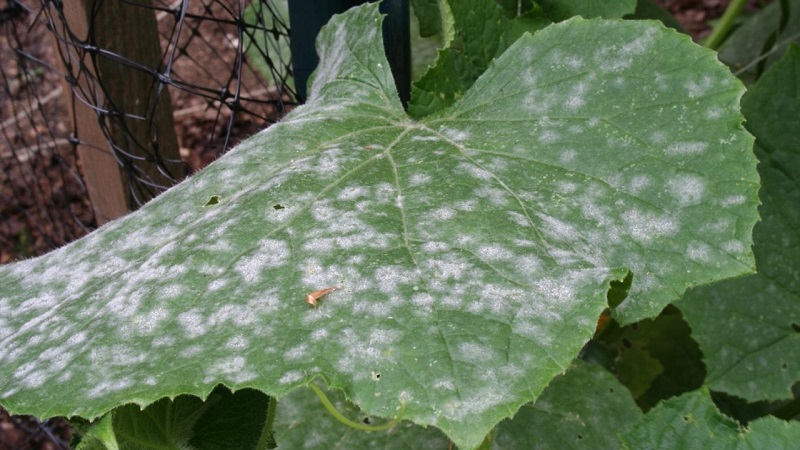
column 358, row 426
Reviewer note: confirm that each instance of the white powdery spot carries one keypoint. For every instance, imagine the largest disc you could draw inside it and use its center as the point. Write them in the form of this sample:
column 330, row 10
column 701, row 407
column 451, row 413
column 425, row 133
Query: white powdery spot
column 496, row 196
column 446, row 384
column 474, row 171
column 124, row 306
column 687, row 148
column 448, row 268
column 476, row 402
column 698, row 251
column 228, row 366
column 494, row 253
column 193, row 323
column 714, row 113
column 352, row 193
column 687, row 189
column 434, row 247
column 271, row 253
column 640, row 45
column 476, row 353
column 558, row 230
column 519, row 219
column 378, row 336
column 172, row 291
column 147, row 323
column 419, row 179
column 455, row 135
column 389, row 277
column 700, row 87
column 419, row 138
column 443, row 213
column 733, row 247
column 107, row 387
column 217, row 284
column 290, row 377
column 385, row 193
column 567, row 156
column 733, row 200
column 422, row 299
column 45, row 301
column 237, row 342
column 297, row 352
column 556, row 291
column 549, row 137
column 645, row 226
column 577, row 97
column 527, row 265
column 319, row 334
column 658, row 137
column 638, row 183
column 566, row 187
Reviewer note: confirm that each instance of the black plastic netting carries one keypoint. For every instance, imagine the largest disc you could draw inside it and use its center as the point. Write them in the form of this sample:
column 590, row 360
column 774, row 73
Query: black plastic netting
column 161, row 86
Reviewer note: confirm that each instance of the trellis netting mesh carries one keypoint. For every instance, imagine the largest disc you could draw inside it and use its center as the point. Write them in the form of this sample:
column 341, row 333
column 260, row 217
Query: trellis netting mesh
column 220, row 73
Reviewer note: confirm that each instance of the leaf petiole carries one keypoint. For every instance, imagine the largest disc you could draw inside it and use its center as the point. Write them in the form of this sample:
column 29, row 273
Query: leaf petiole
column 359, row 426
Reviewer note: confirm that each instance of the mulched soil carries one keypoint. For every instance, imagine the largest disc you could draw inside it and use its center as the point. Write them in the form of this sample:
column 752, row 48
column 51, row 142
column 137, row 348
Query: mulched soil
column 44, row 204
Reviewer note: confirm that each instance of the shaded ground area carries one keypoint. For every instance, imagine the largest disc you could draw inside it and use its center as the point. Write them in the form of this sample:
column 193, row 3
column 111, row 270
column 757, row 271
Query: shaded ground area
column 44, row 203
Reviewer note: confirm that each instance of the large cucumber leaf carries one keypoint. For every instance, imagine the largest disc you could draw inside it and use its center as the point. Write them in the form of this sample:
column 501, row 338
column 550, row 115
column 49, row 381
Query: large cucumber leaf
column 472, row 251
column 749, row 328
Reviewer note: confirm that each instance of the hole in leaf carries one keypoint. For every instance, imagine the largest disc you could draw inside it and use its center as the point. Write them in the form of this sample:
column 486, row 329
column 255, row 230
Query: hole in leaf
column 213, row 200
column 784, row 366
column 376, row 376
column 278, row 206
column 687, row 418
column 610, row 390
column 796, row 327
column 580, row 437
column 367, row 420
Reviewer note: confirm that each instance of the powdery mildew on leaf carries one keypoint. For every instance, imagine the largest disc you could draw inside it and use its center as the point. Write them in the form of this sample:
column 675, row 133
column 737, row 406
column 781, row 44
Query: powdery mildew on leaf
column 764, row 307
column 472, row 250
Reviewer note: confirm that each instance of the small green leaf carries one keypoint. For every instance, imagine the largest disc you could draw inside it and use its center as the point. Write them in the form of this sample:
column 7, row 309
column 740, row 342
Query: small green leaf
column 762, row 39
column 429, row 14
column 692, row 421
column 749, row 328
column 483, row 32
column 473, row 250
column 586, row 408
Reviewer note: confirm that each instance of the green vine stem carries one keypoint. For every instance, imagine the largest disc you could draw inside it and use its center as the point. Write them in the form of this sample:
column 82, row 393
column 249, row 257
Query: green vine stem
column 267, row 439
column 721, row 29
column 341, row 418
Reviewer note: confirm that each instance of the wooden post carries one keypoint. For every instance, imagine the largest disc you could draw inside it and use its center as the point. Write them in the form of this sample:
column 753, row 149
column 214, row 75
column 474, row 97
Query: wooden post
column 130, row 32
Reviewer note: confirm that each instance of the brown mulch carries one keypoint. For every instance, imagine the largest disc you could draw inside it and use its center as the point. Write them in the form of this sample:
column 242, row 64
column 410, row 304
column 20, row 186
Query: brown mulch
column 44, row 204
column 27, row 433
